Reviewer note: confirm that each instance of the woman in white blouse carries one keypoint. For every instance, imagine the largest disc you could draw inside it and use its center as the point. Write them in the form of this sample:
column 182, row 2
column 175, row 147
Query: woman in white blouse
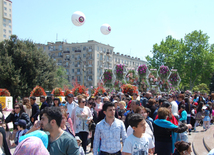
column 81, row 116
column 27, row 106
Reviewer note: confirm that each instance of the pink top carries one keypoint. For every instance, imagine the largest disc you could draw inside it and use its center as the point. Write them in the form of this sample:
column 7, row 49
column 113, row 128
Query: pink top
column 212, row 112
column 98, row 107
column 71, row 125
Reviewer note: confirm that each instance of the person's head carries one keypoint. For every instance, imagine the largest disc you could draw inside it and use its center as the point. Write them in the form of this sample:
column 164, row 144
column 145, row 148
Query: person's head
column 64, row 118
column 183, row 107
column 105, row 99
column 138, row 123
column 98, row 99
column 161, row 100
column 200, row 98
column 70, row 98
column 109, row 109
column 183, row 148
column 180, row 97
column 167, row 105
column 26, row 146
column 194, row 106
column 79, row 142
column 51, row 118
column 122, row 104
column 147, row 94
column 115, row 103
column 26, row 102
column 171, row 97
column 42, row 98
column 56, row 101
column 5, row 126
column 147, row 112
column 135, row 104
column 21, row 124
column 32, row 100
column 18, row 108
column 151, row 102
column 163, row 113
column 81, row 101
column 134, row 95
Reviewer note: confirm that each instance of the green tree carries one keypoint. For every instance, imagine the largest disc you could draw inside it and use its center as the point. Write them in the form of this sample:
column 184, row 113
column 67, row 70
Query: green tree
column 203, row 88
column 193, row 57
column 23, row 66
column 62, row 78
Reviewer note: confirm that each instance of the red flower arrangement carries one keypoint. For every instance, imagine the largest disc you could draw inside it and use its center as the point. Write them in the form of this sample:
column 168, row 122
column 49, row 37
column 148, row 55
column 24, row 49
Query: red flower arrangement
column 128, row 88
column 38, row 91
column 100, row 89
column 67, row 92
column 79, row 89
column 4, row 92
column 57, row 92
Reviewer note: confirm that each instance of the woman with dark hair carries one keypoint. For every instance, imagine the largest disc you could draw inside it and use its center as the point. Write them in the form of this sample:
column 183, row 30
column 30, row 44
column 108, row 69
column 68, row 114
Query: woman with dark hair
column 27, row 106
column 188, row 108
column 56, row 102
column 182, row 148
column 16, row 114
column 199, row 114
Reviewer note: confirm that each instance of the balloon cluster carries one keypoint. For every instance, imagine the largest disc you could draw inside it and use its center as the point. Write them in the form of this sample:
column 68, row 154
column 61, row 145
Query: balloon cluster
column 78, row 19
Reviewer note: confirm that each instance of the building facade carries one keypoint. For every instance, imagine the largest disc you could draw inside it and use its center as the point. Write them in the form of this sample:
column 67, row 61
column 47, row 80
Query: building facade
column 86, row 61
column 5, row 19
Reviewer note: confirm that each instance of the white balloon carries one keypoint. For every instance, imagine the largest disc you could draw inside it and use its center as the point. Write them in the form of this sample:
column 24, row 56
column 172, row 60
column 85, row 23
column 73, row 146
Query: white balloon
column 78, row 18
column 105, row 29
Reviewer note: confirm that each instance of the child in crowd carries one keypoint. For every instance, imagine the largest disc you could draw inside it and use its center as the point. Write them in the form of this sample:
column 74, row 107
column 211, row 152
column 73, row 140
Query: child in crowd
column 139, row 142
column 21, row 125
column 122, row 110
column 183, row 117
column 81, row 151
column 206, row 120
column 146, row 115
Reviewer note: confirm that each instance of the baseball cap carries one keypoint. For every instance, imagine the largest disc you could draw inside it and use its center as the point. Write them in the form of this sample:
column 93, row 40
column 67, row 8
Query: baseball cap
column 70, row 95
column 21, row 122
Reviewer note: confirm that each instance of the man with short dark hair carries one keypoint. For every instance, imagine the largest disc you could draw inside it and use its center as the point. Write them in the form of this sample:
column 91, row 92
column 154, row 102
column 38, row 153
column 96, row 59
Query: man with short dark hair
column 35, row 109
column 60, row 142
column 44, row 102
column 108, row 132
column 71, row 104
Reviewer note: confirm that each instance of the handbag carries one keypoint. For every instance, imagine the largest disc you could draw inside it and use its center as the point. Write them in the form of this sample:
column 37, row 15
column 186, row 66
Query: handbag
column 91, row 126
column 198, row 116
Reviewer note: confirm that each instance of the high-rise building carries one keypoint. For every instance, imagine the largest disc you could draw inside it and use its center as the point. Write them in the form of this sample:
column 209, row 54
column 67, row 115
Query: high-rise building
column 5, row 19
column 87, row 61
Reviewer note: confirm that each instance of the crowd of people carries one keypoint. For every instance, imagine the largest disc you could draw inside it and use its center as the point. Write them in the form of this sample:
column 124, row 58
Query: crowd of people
column 112, row 124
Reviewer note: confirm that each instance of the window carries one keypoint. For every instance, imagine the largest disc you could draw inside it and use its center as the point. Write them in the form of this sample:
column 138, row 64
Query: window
column 78, row 78
column 9, row 31
column 10, row 15
column 10, row 4
column 4, row 25
column 60, row 54
column 10, row 10
column 72, row 77
column 72, row 70
column 67, row 49
column 4, row 30
column 5, row 14
column 72, row 56
column 101, row 49
column 5, row 3
column 97, row 48
column 84, row 55
column 4, row 36
column 66, row 63
column 104, row 50
column 60, row 47
column 44, row 48
column 98, row 56
column 4, row 20
column 104, row 57
column 5, row 8
column 10, row 26
column 84, row 48
column 78, row 70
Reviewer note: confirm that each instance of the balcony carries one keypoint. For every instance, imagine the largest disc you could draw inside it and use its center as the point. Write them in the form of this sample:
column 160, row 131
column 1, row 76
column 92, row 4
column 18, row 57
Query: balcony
column 89, row 50
column 77, row 51
column 78, row 73
column 90, row 79
column 89, row 72
column 66, row 66
column 89, row 65
column 66, row 51
column 89, row 58
column 67, row 59
column 77, row 65
column 59, row 64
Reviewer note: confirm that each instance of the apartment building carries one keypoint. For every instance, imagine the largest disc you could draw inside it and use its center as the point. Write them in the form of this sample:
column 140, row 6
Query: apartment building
column 5, row 19
column 87, row 61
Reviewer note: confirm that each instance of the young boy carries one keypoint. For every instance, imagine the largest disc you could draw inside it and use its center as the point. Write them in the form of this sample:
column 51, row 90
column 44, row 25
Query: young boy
column 183, row 117
column 138, row 143
column 21, row 125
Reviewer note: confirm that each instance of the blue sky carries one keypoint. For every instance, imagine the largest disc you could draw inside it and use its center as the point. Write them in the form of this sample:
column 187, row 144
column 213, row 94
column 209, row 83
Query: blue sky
column 136, row 25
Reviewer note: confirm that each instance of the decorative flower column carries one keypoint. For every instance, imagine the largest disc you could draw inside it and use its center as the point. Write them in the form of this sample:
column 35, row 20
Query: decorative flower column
column 131, row 77
column 143, row 72
column 119, row 72
column 164, row 86
column 107, row 78
column 174, row 80
column 163, row 72
column 153, row 77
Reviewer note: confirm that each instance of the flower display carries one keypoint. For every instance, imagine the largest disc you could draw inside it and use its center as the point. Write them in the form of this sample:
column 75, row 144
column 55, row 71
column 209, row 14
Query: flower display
column 143, row 85
column 79, row 89
column 4, row 92
column 38, row 91
column 142, row 71
column 164, row 86
column 67, row 91
column 128, row 88
column 174, row 78
column 107, row 79
column 152, row 78
column 57, row 92
column 119, row 72
column 131, row 77
column 100, row 89
column 164, row 72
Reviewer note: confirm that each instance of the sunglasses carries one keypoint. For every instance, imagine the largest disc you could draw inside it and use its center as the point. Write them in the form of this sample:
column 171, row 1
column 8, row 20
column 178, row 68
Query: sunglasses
column 16, row 107
column 62, row 104
column 83, row 101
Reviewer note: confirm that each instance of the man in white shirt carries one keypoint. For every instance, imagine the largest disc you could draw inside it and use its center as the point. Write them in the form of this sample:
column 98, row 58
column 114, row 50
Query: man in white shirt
column 171, row 99
column 70, row 104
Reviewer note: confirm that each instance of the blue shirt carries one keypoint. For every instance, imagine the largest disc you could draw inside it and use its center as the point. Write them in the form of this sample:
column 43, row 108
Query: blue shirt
column 183, row 116
column 109, row 136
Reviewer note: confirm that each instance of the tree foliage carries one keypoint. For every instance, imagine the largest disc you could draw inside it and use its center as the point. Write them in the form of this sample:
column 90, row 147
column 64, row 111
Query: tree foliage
column 193, row 57
column 62, row 78
column 203, row 88
column 23, row 66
